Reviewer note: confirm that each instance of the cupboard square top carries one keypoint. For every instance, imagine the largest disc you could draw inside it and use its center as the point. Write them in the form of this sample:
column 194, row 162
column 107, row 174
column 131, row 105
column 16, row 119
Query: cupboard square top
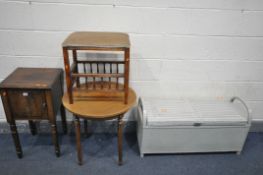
column 32, row 78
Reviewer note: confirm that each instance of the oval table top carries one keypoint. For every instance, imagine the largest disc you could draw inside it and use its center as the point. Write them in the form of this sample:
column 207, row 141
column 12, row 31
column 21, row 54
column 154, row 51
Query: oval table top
column 99, row 104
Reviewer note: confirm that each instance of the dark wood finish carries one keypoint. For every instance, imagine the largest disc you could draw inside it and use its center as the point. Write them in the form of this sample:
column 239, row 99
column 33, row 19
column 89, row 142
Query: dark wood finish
column 74, row 54
column 78, row 140
column 68, row 74
column 31, row 78
column 33, row 94
column 52, row 120
column 98, row 75
column 63, row 119
column 32, row 127
column 98, row 41
column 27, row 103
column 55, row 138
column 127, row 70
column 15, row 136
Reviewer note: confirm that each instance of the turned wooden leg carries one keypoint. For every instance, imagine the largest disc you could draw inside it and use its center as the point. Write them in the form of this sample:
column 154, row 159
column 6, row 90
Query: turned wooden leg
column 79, row 149
column 75, row 58
column 63, row 119
column 32, row 126
column 55, row 138
column 86, row 127
column 120, row 125
column 15, row 136
column 68, row 74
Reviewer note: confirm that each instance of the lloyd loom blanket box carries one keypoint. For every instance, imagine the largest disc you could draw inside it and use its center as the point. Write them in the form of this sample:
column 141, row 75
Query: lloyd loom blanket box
column 189, row 126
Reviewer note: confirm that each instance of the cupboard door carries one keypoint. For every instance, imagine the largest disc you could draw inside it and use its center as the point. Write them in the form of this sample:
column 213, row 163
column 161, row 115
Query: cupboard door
column 28, row 103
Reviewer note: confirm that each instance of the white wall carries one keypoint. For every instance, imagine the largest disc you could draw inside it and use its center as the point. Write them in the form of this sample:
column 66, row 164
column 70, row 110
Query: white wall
column 179, row 48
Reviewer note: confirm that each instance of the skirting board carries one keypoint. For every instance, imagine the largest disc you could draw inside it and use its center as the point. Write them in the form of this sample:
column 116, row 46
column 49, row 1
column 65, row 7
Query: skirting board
column 95, row 126
column 256, row 126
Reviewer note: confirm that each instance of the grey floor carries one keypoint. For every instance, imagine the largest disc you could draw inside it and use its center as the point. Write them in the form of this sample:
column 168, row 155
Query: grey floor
column 100, row 157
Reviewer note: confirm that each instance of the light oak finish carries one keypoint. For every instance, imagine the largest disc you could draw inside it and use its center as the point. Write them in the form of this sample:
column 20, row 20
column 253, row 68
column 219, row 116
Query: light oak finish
column 98, row 104
column 78, row 139
column 102, row 96
column 97, row 39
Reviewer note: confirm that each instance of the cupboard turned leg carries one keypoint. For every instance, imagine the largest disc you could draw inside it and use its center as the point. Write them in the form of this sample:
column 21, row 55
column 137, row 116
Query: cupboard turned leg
column 15, row 136
column 63, row 119
column 32, row 127
column 120, row 125
column 55, row 138
column 86, row 127
column 78, row 142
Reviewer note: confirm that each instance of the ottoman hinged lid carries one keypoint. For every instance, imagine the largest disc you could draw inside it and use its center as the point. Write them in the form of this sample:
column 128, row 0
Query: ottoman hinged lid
column 193, row 112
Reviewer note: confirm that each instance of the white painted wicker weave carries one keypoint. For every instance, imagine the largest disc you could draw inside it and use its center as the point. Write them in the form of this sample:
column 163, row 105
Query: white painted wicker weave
column 191, row 125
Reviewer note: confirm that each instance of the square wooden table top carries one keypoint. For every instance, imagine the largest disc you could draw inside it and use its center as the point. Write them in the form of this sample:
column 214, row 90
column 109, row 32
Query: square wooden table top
column 31, row 78
column 97, row 40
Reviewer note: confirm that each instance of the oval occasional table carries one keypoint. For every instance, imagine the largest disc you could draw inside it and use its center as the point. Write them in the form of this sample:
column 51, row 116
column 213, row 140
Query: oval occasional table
column 98, row 105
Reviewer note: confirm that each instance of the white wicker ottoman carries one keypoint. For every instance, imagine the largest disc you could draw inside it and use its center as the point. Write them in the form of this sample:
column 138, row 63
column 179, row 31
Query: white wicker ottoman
column 189, row 126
